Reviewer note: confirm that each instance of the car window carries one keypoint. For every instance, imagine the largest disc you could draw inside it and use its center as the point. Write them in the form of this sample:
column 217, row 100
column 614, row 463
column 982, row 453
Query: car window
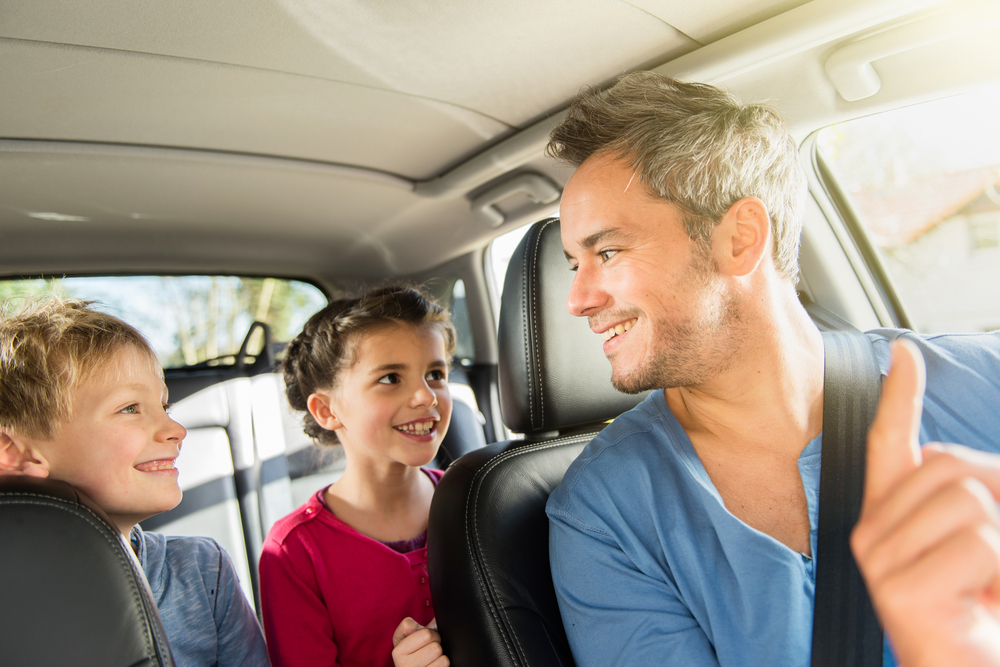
column 500, row 251
column 924, row 183
column 191, row 320
column 465, row 350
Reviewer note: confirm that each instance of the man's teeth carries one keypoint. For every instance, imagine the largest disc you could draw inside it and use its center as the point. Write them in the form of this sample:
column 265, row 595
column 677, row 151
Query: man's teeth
column 417, row 428
column 153, row 466
column 619, row 329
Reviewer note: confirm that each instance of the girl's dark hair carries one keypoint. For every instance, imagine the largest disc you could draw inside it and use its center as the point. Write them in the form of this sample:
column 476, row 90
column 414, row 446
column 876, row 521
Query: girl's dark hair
column 328, row 343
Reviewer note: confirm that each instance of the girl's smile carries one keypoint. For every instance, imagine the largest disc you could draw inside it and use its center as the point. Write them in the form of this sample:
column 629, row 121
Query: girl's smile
column 392, row 406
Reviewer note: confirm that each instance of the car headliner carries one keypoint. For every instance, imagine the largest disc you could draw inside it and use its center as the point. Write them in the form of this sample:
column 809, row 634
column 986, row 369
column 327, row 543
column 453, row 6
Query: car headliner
column 332, row 138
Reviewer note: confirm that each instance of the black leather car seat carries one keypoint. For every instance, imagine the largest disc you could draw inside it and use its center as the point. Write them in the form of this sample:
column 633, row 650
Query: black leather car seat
column 73, row 591
column 488, row 533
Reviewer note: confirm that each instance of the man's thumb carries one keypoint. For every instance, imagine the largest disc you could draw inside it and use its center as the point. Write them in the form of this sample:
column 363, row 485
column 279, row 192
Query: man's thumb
column 893, row 447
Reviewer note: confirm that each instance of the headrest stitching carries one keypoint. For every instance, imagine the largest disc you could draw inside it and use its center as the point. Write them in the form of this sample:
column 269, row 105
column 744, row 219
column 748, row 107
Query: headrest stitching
column 527, row 342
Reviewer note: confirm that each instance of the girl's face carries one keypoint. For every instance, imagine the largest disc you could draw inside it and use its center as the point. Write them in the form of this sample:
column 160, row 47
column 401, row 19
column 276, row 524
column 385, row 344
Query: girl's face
column 393, row 405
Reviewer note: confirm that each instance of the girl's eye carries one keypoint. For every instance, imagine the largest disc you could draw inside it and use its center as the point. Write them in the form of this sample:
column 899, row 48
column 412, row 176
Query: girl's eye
column 131, row 409
column 167, row 407
column 391, row 378
column 437, row 376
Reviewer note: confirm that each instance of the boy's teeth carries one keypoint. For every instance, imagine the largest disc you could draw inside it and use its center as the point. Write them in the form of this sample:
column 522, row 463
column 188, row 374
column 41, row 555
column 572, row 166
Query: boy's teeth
column 153, row 466
column 417, row 428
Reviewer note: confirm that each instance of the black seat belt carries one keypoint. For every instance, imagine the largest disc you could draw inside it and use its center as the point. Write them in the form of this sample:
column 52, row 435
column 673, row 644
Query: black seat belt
column 846, row 632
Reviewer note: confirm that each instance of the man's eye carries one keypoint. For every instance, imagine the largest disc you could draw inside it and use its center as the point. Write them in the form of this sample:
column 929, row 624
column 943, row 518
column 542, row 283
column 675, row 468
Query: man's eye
column 167, row 407
column 574, row 267
column 437, row 376
column 131, row 409
column 607, row 254
column 391, row 378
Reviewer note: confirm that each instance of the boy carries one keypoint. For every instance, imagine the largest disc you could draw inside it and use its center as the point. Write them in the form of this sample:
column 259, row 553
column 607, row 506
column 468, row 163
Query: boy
column 82, row 400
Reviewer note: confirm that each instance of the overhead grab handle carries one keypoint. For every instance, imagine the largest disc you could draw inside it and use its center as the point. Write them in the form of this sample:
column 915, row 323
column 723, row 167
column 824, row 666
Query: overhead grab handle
column 850, row 67
column 539, row 189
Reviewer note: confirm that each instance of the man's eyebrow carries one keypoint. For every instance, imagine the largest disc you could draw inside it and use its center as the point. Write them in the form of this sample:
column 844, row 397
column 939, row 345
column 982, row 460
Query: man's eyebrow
column 597, row 237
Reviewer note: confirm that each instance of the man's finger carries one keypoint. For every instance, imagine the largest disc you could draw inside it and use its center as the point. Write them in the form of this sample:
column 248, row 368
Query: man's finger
column 893, row 447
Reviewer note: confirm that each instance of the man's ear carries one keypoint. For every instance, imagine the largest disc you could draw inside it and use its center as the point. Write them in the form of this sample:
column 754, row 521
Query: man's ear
column 743, row 237
column 321, row 408
column 17, row 458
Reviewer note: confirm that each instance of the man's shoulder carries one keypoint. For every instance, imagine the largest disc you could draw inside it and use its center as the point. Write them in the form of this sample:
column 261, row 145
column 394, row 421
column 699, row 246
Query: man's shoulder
column 637, row 442
column 943, row 353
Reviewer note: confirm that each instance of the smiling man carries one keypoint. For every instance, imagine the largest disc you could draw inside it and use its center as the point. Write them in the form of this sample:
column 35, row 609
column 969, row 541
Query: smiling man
column 685, row 532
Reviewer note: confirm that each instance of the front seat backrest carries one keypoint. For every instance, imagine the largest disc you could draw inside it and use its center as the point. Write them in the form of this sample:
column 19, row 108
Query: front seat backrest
column 488, row 535
column 73, row 592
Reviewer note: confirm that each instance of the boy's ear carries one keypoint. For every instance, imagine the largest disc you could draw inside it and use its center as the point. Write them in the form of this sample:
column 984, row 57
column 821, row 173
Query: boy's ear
column 16, row 458
column 320, row 407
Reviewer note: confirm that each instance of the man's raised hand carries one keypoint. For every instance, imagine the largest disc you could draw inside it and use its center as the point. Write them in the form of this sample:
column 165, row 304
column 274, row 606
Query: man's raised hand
column 928, row 540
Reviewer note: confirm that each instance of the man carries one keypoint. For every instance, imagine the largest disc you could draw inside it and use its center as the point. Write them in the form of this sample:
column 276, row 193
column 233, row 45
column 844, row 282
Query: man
column 685, row 533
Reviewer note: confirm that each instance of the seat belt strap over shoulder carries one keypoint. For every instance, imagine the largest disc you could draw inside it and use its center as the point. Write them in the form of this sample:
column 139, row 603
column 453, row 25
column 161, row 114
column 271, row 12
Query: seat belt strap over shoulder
column 846, row 632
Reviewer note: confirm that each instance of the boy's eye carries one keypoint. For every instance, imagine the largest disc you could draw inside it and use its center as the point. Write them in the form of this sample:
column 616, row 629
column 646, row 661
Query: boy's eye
column 391, row 378
column 131, row 409
column 437, row 376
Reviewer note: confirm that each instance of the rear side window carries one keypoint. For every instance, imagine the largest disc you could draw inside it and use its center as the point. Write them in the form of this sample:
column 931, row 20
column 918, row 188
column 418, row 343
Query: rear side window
column 924, row 184
column 191, row 320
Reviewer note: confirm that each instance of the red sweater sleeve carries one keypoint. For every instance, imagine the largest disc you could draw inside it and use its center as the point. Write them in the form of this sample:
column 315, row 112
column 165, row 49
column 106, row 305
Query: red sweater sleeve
column 296, row 621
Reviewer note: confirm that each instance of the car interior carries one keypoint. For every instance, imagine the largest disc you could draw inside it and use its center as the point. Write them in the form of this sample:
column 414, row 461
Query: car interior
column 335, row 145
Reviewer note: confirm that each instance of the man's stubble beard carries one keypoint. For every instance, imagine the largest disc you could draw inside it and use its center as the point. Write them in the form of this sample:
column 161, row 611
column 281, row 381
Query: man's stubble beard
column 690, row 353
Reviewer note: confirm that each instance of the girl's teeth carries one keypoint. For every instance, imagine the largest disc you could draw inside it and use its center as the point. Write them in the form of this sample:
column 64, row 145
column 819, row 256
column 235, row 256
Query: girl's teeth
column 417, row 428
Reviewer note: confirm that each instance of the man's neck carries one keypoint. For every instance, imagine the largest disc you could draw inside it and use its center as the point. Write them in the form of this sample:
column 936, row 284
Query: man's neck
column 770, row 395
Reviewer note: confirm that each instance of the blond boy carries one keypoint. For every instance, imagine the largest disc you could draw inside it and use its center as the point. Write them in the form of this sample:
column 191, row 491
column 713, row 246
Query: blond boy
column 82, row 400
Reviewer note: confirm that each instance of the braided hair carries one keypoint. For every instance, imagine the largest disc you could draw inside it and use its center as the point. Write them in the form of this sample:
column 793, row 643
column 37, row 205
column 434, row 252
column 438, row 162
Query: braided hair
column 328, row 343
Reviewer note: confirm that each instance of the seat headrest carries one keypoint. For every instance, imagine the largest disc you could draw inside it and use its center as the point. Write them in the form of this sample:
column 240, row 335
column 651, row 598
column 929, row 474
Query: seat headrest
column 73, row 591
column 552, row 370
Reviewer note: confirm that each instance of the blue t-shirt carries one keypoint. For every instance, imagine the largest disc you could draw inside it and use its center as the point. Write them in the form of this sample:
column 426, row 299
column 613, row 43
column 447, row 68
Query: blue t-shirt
column 649, row 566
column 207, row 619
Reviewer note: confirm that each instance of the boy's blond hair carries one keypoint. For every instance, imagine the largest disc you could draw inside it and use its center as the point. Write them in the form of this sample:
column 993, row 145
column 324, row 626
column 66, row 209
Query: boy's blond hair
column 48, row 347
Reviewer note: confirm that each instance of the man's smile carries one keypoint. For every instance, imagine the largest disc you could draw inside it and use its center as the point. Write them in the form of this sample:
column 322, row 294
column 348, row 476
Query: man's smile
column 617, row 329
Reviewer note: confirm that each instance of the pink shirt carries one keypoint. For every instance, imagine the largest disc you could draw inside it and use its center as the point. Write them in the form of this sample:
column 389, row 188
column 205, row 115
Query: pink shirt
column 332, row 596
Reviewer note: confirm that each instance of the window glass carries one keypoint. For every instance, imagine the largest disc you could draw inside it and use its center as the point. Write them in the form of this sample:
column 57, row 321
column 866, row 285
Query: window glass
column 464, row 349
column 924, row 182
column 501, row 250
column 190, row 320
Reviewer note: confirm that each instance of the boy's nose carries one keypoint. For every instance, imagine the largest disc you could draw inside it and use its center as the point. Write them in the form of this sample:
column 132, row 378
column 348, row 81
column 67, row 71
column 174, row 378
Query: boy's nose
column 174, row 431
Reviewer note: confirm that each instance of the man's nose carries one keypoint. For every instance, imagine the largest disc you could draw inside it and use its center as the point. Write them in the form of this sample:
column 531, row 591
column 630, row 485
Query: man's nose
column 585, row 295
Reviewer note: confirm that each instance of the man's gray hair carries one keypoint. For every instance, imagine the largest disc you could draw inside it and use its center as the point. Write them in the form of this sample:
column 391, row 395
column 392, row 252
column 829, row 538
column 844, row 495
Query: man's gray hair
column 695, row 146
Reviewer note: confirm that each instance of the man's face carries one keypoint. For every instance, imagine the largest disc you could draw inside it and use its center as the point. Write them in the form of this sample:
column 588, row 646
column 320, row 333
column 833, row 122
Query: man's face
column 639, row 275
column 119, row 445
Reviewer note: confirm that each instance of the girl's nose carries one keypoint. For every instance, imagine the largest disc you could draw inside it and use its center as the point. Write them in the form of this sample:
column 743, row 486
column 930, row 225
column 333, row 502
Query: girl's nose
column 424, row 396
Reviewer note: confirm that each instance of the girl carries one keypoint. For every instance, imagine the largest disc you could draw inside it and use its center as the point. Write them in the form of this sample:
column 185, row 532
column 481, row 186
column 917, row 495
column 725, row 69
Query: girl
column 344, row 577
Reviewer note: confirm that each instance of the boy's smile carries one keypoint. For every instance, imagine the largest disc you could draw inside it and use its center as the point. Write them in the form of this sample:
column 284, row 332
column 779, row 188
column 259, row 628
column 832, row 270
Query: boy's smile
column 119, row 446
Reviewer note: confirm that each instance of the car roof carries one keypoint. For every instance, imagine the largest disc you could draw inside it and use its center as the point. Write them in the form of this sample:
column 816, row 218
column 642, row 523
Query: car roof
column 358, row 139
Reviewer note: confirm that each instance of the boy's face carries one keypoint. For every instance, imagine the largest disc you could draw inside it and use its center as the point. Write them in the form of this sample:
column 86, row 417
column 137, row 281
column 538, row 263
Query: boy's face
column 119, row 445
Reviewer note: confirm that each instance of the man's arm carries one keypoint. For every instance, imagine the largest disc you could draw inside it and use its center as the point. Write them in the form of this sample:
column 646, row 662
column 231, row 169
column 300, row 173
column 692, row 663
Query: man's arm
column 928, row 541
column 615, row 614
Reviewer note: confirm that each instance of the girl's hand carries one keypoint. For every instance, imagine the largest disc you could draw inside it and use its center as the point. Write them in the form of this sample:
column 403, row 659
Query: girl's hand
column 418, row 646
